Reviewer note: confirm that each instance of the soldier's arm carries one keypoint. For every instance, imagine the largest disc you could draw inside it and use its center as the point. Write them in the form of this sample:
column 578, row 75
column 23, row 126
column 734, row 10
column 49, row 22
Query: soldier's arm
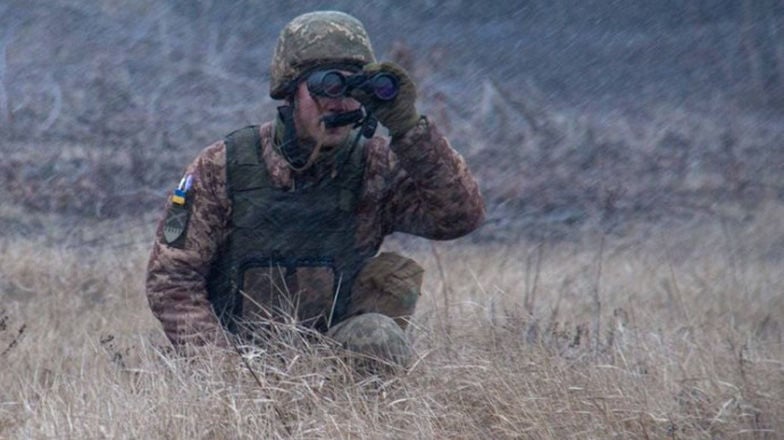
column 433, row 194
column 177, row 270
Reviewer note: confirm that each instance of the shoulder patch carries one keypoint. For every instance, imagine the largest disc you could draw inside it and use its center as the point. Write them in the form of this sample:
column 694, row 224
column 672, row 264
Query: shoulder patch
column 177, row 216
column 175, row 225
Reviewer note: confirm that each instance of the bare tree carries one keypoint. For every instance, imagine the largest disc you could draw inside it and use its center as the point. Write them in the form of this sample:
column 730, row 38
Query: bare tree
column 5, row 99
column 777, row 37
column 761, row 42
column 54, row 89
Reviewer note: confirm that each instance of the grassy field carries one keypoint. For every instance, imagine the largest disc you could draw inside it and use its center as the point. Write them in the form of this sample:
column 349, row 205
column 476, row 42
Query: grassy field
column 673, row 332
column 628, row 282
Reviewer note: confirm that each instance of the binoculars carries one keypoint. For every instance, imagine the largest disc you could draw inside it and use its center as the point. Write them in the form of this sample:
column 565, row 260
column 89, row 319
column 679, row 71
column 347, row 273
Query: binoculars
column 335, row 84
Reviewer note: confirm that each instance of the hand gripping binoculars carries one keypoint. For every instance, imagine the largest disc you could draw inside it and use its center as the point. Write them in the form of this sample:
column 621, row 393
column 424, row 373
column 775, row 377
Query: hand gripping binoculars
column 335, row 84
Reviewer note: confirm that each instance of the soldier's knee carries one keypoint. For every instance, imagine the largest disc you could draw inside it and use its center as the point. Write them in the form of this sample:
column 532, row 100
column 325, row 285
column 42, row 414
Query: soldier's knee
column 376, row 337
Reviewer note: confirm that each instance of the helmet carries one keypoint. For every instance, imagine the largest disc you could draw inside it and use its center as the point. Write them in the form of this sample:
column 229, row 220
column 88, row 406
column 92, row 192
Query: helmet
column 313, row 39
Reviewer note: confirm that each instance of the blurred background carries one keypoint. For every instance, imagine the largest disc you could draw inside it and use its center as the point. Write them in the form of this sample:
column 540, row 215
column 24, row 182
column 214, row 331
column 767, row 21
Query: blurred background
column 573, row 114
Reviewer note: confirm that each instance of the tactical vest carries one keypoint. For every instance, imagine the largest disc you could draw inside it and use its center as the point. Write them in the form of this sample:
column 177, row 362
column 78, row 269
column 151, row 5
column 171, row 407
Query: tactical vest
column 290, row 253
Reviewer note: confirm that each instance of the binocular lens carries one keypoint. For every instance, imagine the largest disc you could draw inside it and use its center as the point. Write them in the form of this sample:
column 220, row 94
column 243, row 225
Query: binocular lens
column 384, row 86
column 329, row 83
column 334, row 84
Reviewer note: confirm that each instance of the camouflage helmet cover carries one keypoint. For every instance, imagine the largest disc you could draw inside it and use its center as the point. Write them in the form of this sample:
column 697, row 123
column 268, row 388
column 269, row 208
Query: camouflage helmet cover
column 322, row 37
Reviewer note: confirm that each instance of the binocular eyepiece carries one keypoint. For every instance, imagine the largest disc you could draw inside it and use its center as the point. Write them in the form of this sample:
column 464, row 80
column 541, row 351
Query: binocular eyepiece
column 335, row 84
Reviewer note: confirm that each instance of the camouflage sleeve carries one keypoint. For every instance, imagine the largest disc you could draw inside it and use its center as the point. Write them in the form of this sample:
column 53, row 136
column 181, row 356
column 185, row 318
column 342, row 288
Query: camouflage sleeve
column 177, row 269
column 434, row 195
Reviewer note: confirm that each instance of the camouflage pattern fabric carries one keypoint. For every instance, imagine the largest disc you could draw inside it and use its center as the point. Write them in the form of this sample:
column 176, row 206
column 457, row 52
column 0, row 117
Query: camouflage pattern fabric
column 417, row 185
column 315, row 38
column 375, row 337
column 389, row 284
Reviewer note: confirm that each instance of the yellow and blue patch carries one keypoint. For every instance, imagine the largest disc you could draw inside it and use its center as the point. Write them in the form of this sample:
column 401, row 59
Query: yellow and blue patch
column 179, row 197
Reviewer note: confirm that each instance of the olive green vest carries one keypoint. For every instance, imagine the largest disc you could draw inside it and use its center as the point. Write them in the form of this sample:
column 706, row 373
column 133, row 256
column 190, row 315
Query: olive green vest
column 286, row 229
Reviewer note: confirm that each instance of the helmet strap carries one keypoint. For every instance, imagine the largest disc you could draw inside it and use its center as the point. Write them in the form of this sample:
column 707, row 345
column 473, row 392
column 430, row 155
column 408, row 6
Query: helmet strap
column 286, row 138
column 296, row 157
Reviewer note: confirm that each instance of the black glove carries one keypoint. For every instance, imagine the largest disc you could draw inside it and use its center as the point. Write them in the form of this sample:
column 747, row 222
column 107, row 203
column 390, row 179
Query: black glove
column 398, row 115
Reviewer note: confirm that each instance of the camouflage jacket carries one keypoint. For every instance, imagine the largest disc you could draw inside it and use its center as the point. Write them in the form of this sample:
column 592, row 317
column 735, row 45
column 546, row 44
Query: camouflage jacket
column 418, row 186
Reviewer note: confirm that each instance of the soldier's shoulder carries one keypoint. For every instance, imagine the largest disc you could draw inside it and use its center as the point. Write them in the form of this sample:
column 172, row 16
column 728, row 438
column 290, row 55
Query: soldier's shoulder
column 264, row 131
column 213, row 155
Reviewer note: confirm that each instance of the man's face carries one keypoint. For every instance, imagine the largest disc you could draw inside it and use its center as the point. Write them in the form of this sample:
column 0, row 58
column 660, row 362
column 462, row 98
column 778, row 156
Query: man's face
column 309, row 109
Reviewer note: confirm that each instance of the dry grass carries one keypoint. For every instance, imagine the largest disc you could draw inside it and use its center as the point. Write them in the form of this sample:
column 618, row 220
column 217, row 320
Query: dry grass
column 690, row 345
column 668, row 332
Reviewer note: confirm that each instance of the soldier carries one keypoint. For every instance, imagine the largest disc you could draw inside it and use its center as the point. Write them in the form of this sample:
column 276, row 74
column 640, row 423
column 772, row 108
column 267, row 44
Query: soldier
column 285, row 220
